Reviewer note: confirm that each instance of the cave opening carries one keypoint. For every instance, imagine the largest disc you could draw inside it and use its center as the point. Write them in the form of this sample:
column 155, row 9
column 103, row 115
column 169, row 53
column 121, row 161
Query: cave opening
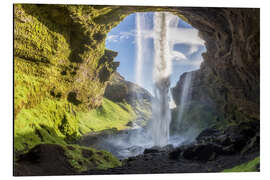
column 154, row 50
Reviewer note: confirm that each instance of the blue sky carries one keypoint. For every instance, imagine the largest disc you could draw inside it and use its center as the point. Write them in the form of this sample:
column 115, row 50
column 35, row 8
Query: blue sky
column 122, row 39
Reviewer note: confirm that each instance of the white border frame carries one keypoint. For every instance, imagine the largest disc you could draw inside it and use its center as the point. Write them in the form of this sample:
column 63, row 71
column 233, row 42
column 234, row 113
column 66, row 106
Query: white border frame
column 6, row 57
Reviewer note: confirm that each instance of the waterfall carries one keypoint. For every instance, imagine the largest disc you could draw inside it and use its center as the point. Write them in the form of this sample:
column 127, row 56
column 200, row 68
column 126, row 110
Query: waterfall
column 163, row 24
column 161, row 73
column 139, row 48
column 186, row 91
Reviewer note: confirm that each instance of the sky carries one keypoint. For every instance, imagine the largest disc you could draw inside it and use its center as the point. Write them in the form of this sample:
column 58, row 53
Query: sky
column 187, row 49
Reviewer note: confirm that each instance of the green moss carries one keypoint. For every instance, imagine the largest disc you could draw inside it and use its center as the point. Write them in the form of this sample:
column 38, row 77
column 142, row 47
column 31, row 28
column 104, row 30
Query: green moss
column 250, row 166
column 84, row 158
column 65, row 39
column 36, row 37
column 48, row 122
column 57, row 50
column 55, row 121
column 109, row 115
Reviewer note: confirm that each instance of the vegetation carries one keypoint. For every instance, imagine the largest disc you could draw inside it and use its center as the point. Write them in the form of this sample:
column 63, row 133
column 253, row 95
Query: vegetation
column 250, row 166
column 83, row 158
column 51, row 122
column 109, row 115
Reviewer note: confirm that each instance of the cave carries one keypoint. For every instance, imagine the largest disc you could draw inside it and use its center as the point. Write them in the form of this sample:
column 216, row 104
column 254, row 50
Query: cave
column 62, row 49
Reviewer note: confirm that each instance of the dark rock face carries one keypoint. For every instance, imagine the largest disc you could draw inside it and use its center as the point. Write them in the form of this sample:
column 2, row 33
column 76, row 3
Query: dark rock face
column 228, row 79
column 202, row 152
column 212, row 143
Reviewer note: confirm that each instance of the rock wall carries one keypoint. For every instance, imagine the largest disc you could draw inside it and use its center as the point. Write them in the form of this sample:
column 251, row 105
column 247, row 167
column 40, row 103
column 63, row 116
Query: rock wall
column 228, row 81
column 67, row 45
column 61, row 68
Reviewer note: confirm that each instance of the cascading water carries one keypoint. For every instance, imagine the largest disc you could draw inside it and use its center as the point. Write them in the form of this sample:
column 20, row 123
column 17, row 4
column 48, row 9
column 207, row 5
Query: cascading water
column 186, row 91
column 139, row 47
column 163, row 23
column 162, row 70
column 181, row 133
column 142, row 25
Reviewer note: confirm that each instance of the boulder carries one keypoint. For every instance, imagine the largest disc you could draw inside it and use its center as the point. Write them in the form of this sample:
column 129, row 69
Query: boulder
column 202, row 152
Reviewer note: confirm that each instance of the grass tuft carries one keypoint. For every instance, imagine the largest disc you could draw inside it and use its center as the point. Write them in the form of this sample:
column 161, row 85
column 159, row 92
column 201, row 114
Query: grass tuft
column 250, row 166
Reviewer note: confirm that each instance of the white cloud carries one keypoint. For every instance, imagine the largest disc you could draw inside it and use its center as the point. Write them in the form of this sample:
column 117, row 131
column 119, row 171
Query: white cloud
column 193, row 49
column 194, row 62
column 185, row 36
column 176, row 55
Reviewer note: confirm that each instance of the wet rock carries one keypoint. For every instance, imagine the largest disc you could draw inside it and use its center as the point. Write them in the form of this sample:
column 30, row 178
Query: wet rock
column 202, row 152
column 211, row 143
column 175, row 154
column 233, row 139
column 207, row 134
column 157, row 149
column 135, row 149
column 252, row 145
column 223, row 140
column 152, row 150
column 168, row 147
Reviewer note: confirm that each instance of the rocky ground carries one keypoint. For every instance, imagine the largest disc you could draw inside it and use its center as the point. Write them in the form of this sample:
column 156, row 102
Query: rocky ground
column 160, row 162
column 213, row 151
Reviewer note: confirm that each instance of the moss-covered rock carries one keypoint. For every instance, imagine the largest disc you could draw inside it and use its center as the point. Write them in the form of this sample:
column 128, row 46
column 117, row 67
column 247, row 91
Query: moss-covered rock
column 55, row 159
column 68, row 49
column 61, row 68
